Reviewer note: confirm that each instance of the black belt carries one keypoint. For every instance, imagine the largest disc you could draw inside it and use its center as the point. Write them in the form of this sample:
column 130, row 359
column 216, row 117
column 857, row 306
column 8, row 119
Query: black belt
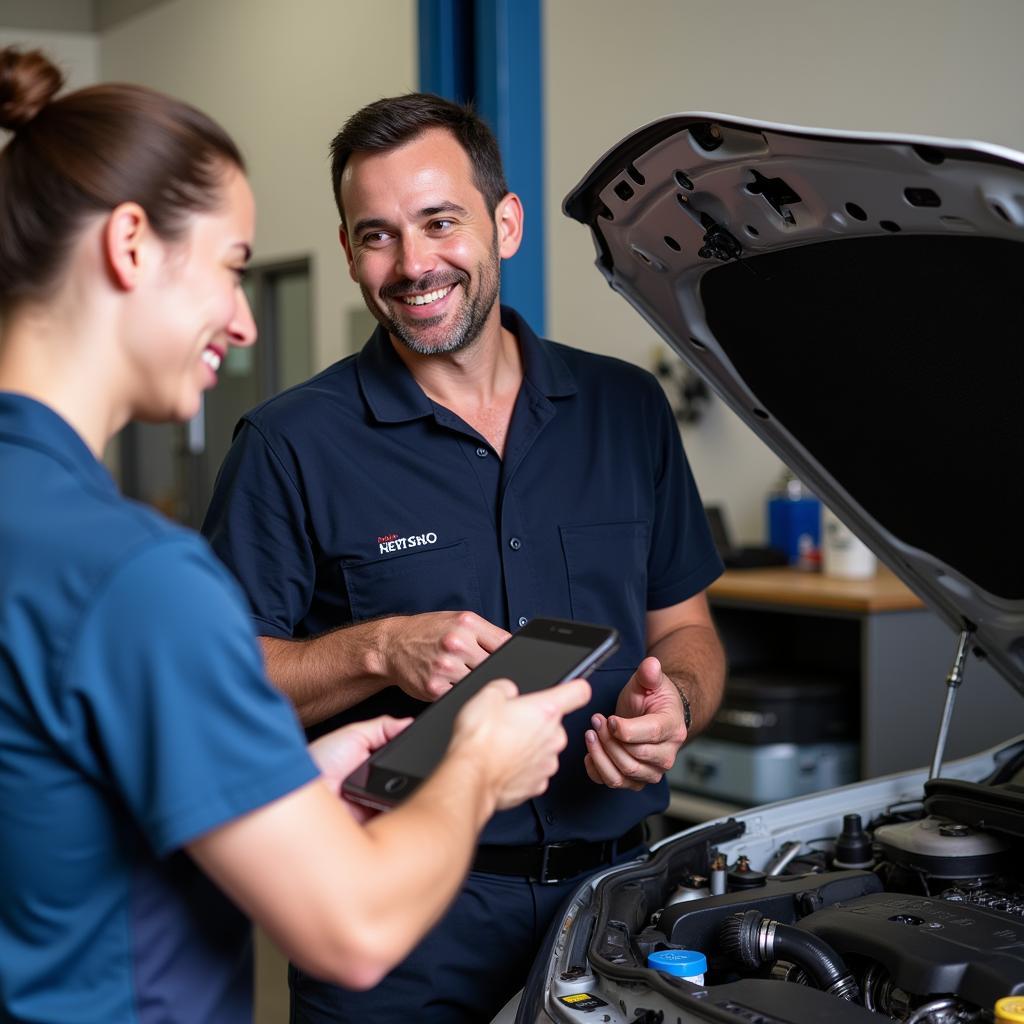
column 555, row 862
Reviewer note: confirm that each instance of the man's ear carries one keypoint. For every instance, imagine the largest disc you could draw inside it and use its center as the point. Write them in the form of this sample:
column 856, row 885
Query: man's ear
column 508, row 222
column 125, row 233
column 346, row 244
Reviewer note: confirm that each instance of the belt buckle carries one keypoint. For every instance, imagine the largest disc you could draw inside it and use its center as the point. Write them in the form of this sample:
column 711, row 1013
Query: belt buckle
column 545, row 878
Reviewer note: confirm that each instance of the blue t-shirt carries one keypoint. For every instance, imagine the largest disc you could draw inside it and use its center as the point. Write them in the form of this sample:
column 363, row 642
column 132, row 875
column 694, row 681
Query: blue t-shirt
column 134, row 718
column 354, row 496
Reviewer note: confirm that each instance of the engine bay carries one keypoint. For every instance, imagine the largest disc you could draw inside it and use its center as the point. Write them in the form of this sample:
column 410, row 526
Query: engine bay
column 903, row 913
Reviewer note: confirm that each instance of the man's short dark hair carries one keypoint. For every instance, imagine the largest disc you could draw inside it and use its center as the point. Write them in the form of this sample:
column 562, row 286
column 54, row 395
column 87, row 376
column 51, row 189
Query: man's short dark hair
column 389, row 123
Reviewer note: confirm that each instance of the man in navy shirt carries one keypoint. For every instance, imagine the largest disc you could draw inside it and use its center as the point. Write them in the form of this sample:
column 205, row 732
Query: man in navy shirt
column 455, row 479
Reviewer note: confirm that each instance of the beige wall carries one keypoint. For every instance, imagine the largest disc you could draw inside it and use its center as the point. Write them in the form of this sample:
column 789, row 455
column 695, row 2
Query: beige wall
column 77, row 54
column 281, row 77
column 945, row 67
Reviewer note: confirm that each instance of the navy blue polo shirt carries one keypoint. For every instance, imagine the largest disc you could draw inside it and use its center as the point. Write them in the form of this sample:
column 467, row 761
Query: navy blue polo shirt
column 134, row 717
column 354, row 496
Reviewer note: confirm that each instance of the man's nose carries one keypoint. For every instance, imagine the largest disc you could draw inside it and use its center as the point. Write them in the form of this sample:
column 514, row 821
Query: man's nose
column 416, row 256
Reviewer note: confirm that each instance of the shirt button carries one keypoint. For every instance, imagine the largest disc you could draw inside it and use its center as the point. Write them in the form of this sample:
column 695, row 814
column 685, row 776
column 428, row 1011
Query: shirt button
column 522, row 620
column 515, row 543
column 549, row 818
column 482, row 452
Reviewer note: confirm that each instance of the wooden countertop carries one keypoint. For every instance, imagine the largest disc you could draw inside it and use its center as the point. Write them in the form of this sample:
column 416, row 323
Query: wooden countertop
column 793, row 588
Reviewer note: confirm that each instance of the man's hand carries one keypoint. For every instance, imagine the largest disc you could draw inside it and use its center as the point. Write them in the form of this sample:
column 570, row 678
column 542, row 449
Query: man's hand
column 341, row 752
column 638, row 744
column 426, row 654
column 423, row 654
column 515, row 741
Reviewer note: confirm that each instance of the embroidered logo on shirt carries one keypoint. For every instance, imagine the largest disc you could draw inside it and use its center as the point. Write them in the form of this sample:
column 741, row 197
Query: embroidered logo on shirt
column 392, row 542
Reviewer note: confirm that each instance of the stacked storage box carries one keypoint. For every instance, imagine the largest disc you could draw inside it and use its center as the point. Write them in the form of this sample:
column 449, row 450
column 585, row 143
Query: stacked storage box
column 776, row 736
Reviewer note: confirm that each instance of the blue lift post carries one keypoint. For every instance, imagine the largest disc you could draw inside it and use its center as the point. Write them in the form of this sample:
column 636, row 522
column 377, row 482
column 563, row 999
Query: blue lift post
column 488, row 52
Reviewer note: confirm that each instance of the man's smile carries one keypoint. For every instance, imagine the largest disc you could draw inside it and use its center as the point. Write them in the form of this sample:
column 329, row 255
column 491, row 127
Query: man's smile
column 426, row 298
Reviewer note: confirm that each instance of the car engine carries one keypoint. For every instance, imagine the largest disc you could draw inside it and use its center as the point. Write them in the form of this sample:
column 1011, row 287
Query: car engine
column 914, row 913
column 934, row 911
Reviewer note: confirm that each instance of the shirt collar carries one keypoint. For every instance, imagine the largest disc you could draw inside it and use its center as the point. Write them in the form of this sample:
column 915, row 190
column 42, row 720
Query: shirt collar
column 389, row 388
column 543, row 367
column 31, row 424
column 393, row 395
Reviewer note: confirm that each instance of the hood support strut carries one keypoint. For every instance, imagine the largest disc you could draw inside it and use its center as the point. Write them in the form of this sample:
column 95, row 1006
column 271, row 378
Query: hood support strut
column 953, row 681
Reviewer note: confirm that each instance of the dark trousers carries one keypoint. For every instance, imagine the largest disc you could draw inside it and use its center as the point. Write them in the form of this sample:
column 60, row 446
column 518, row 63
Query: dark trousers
column 469, row 965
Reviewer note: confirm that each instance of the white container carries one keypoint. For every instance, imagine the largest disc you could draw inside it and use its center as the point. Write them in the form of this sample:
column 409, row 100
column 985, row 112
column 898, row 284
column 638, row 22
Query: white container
column 842, row 554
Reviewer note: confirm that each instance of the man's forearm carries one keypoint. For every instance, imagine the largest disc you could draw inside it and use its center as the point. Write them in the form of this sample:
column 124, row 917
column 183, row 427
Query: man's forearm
column 329, row 673
column 693, row 658
column 425, row 654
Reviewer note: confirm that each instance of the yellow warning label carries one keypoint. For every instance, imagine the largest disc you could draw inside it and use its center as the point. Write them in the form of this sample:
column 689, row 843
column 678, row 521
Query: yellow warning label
column 582, row 1001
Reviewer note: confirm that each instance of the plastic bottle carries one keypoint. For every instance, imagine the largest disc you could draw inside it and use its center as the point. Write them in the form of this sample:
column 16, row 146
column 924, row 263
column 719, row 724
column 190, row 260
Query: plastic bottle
column 842, row 553
column 794, row 522
column 680, row 963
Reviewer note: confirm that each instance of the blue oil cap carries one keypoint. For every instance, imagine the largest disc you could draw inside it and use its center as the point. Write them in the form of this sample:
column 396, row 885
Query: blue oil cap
column 680, row 963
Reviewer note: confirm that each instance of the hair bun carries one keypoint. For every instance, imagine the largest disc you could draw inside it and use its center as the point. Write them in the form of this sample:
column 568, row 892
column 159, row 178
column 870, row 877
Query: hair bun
column 28, row 81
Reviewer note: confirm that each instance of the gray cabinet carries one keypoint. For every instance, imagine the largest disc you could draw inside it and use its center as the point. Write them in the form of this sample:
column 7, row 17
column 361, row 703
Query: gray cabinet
column 873, row 635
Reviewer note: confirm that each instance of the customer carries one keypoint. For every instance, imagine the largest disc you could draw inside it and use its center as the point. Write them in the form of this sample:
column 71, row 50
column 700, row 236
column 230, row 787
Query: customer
column 138, row 736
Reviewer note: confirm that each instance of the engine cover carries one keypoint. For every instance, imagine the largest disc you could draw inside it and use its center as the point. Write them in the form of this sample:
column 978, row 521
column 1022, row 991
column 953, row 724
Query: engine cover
column 929, row 945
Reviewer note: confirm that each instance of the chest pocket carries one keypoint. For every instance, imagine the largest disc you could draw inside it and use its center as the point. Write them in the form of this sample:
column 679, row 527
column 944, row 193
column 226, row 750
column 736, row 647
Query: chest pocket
column 427, row 580
column 606, row 565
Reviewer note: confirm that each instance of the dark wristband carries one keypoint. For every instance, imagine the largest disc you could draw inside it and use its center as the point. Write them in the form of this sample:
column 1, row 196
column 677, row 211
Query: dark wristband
column 687, row 713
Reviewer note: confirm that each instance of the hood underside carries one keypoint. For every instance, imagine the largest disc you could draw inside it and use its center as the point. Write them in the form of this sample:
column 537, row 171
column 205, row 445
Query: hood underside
column 858, row 300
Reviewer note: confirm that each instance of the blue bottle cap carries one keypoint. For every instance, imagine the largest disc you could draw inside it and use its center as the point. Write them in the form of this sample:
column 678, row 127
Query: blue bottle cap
column 680, row 963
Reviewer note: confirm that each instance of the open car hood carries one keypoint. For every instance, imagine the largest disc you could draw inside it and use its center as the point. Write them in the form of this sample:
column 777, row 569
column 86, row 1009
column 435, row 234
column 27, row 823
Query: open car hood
column 858, row 300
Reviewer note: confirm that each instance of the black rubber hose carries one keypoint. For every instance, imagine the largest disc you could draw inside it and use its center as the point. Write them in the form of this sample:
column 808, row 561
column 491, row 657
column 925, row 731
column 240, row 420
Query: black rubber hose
column 755, row 940
column 814, row 955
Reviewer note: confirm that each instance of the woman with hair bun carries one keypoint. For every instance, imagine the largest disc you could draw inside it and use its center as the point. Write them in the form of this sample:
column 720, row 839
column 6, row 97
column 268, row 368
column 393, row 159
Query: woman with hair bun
column 139, row 739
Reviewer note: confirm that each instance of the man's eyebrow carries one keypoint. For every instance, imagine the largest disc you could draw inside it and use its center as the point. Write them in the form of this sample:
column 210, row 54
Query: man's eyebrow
column 368, row 222
column 433, row 211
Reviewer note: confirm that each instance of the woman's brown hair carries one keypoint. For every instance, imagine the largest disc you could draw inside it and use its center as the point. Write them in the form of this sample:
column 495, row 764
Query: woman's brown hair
column 86, row 153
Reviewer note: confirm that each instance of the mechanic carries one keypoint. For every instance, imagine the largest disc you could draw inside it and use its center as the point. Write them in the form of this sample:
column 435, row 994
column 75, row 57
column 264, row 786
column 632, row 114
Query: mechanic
column 139, row 737
column 456, row 478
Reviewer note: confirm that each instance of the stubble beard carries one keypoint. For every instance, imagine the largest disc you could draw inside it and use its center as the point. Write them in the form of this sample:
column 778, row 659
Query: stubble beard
column 467, row 323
